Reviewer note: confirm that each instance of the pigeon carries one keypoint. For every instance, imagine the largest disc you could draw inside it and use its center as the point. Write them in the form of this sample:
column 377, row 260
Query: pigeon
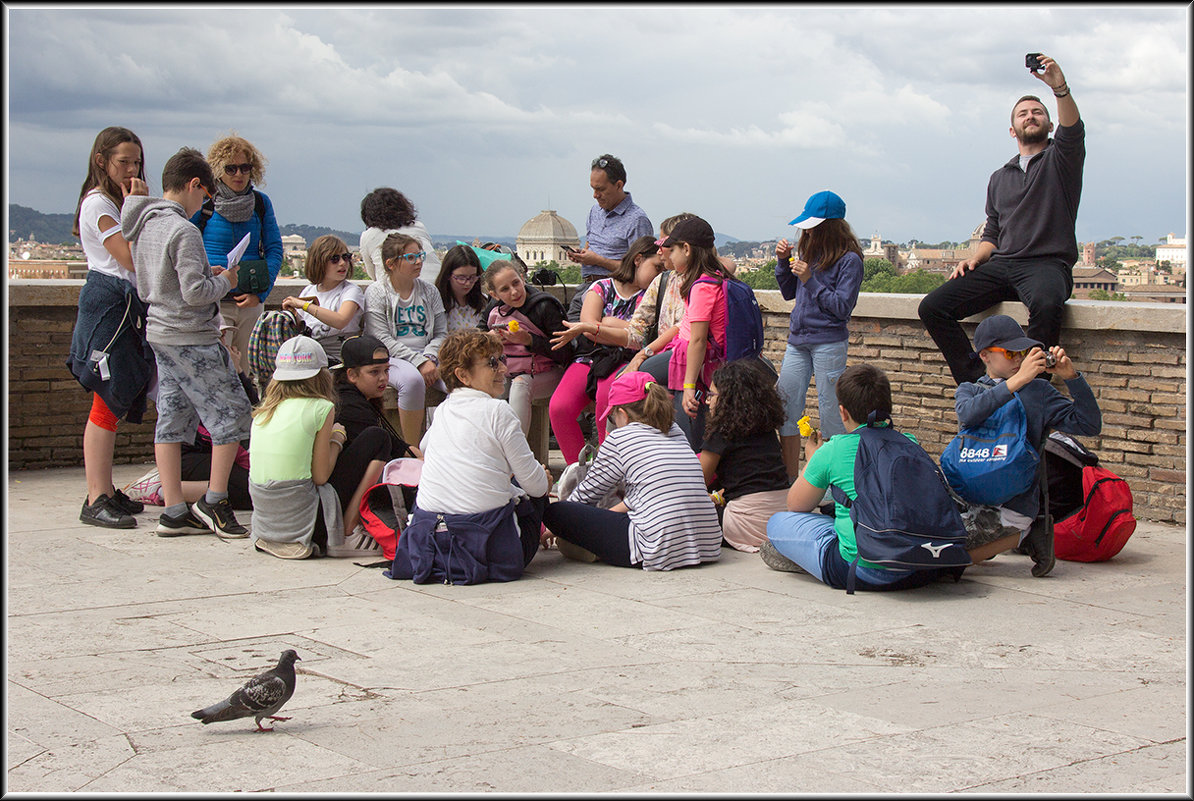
column 260, row 697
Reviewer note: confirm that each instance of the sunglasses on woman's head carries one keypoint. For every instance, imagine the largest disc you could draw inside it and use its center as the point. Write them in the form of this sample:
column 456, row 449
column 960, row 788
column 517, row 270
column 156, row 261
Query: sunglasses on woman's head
column 233, row 169
column 336, row 258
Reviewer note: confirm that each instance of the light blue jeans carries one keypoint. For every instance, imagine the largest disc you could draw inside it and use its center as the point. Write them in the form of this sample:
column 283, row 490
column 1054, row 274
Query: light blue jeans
column 810, row 540
column 800, row 365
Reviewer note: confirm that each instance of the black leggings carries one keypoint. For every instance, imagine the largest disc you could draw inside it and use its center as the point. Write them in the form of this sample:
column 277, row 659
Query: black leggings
column 196, row 466
column 605, row 533
column 372, row 444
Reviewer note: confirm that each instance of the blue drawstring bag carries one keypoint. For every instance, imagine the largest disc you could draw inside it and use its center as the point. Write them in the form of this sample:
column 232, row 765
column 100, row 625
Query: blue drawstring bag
column 993, row 462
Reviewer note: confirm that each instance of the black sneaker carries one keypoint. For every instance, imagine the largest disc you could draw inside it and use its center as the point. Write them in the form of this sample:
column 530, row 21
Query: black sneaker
column 104, row 512
column 1039, row 544
column 185, row 523
column 220, row 518
column 126, row 504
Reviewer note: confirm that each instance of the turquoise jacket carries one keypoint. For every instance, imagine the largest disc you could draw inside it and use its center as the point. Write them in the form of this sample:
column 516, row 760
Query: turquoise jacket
column 220, row 236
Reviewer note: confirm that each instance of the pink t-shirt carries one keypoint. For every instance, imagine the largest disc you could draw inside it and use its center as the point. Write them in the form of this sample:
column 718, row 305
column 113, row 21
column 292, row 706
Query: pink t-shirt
column 706, row 303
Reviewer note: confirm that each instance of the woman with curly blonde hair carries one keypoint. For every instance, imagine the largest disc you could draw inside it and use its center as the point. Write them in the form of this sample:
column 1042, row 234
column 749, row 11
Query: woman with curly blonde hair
column 471, row 523
column 236, row 210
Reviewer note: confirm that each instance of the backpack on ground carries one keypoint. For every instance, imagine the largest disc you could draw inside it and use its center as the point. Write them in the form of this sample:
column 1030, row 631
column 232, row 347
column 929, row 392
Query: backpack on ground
column 993, row 462
column 744, row 319
column 269, row 332
column 903, row 514
column 385, row 507
column 1091, row 505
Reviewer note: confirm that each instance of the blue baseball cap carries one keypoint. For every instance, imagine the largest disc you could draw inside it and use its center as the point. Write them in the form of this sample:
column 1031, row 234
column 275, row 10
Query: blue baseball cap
column 820, row 207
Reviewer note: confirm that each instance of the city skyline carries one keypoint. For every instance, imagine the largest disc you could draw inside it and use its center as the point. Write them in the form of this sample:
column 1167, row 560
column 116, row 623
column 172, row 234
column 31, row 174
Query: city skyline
column 493, row 114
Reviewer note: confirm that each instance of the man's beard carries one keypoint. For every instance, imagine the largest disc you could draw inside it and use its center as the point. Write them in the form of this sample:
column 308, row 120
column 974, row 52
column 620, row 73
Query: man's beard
column 1033, row 137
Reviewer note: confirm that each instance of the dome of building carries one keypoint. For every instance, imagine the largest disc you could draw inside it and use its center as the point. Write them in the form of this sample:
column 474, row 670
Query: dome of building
column 543, row 237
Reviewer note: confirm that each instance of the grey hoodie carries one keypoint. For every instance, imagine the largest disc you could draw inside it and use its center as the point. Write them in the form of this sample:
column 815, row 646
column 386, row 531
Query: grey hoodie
column 173, row 276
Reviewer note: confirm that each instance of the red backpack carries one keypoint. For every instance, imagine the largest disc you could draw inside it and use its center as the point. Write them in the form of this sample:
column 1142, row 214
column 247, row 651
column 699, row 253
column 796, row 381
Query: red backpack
column 1097, row 520
column 386, row 505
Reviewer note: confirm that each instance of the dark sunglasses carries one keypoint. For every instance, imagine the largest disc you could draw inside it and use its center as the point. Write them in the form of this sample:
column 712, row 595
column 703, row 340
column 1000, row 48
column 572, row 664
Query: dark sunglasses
column 493, row 361
column 600, row 163
column 233, row 169
column 336, row 258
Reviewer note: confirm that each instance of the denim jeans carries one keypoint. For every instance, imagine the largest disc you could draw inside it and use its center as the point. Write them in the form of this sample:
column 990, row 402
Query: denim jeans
column 810, row 540
column 826, row 362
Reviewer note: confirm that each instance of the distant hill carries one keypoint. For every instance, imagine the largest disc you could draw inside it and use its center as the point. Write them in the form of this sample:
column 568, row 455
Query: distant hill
column 310, row 233
column 27, row 223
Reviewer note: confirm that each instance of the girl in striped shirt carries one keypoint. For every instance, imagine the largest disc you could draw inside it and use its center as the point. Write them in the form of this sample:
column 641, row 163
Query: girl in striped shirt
column 666, row 519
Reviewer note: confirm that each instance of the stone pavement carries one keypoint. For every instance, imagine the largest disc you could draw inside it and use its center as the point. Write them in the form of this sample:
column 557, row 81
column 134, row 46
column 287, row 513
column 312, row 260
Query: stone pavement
column 581, row 678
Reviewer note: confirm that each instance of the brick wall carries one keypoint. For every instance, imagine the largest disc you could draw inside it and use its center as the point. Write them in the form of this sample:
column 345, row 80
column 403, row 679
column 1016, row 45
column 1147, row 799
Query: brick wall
column 1133, row 355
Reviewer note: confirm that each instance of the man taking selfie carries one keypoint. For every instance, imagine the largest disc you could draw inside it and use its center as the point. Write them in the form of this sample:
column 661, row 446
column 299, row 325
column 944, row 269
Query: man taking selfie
column 1028, row 247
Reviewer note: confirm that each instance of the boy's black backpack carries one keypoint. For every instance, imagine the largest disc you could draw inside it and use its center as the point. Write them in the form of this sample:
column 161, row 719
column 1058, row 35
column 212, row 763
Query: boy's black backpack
column 903, row 514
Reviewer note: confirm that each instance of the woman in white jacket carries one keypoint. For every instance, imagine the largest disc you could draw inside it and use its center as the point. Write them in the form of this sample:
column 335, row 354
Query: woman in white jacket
column 407, row 315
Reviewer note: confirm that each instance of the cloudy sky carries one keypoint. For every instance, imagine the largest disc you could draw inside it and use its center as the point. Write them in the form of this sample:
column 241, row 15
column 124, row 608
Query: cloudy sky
column 485, row 115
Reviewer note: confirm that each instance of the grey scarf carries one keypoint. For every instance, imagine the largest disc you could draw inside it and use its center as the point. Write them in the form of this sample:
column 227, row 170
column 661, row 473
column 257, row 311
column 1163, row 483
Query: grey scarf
column 234, row 206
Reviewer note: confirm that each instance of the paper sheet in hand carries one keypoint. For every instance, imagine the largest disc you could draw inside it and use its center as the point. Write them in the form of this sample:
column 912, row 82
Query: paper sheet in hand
column 238, row 251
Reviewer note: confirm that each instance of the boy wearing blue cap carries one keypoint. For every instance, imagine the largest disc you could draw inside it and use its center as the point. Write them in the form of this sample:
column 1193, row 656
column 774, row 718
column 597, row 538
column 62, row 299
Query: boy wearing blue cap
column 1013, row 361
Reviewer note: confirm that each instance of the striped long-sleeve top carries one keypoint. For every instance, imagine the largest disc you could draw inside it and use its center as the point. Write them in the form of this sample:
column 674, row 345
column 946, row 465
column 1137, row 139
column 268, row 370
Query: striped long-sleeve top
column 672, row 521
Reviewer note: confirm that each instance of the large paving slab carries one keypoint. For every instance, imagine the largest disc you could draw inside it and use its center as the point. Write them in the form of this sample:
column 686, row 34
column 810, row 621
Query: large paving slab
column 728, row 678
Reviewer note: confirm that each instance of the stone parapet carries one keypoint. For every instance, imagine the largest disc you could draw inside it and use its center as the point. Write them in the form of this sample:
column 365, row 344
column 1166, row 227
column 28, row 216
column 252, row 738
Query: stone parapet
column 1132, row 354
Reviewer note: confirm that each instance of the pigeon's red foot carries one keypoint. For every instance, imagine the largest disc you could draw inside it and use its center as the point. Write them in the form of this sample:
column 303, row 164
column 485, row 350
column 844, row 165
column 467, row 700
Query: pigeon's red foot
column 275, row 717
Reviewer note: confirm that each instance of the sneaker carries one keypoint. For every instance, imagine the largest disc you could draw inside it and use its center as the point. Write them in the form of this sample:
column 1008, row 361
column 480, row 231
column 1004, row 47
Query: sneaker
column 284, row 550
column 576, row 553
column 776, row 560
column 126, row 504
column 186, row 523
column 220, row 518
column 104, row 512
column 144, row 488
column 357, row 544
column 1039, row 544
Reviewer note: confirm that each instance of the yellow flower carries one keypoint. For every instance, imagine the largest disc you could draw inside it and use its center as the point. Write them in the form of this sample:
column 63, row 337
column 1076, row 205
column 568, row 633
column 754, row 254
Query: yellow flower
column 806, row 429
column 514, row 327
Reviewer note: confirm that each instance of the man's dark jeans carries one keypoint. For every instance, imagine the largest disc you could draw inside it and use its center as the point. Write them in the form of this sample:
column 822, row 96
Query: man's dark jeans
column 1042, row 286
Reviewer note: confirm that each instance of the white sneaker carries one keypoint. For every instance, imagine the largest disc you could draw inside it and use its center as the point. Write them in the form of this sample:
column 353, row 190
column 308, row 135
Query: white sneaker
column 357, row 544
column 284, row 550
column 147, row 488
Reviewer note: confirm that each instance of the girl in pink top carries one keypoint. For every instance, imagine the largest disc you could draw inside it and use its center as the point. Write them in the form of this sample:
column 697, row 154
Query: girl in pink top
column 700, row 343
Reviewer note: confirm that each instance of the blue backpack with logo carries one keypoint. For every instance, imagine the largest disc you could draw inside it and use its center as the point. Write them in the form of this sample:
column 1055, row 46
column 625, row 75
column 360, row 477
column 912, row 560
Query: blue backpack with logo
column 903, row 515
column 992, row 463
column 744, row 320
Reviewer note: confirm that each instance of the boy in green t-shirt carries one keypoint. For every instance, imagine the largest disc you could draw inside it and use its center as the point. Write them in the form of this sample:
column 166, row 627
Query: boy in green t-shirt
column 822, row 546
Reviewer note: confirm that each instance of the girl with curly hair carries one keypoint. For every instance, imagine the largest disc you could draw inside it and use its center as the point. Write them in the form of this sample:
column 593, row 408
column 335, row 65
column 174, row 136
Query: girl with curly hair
column 386, row 211
column 741, row 452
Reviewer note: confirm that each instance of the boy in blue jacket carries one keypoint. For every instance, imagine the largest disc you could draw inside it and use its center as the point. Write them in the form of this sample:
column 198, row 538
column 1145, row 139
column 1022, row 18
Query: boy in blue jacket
column 1014, row 363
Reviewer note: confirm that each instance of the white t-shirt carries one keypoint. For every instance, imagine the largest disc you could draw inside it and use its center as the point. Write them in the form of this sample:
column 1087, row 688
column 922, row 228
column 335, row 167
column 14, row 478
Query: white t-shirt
column 333, row 300
column 96, row 205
